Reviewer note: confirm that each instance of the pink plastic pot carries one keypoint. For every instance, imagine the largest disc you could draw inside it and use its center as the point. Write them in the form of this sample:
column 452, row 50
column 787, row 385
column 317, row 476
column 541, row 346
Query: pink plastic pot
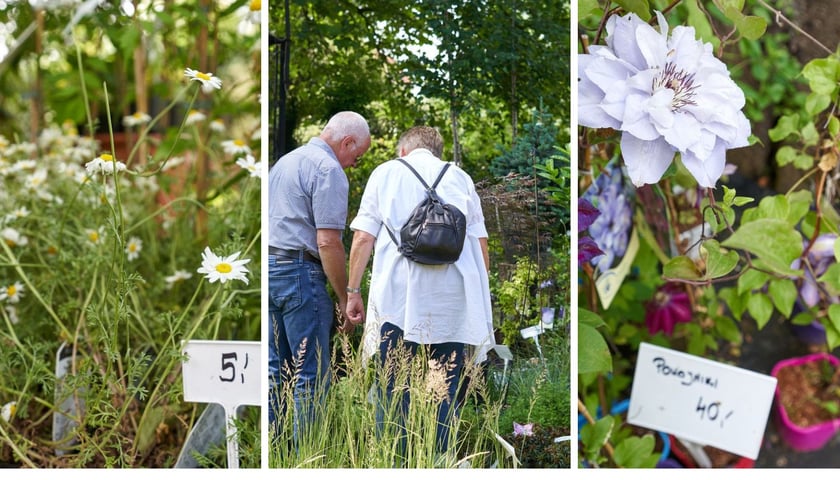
column 804, row 439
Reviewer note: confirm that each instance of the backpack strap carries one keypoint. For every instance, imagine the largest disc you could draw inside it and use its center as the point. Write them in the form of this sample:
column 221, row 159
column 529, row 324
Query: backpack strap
column 443, row 170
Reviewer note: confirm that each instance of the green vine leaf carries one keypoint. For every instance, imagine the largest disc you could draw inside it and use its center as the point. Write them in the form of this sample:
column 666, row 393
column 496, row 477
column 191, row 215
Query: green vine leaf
column 822, row 75
column 783, row 292
column 760, row 308
column 832, row 327
column 773, row 240
column 681, row 267
column 718, row 263
column 751, row 26
column 734, row 300
column 786, row 126
column 636, row 452
column 593, row 352
column 595, row 436
column 639, row 7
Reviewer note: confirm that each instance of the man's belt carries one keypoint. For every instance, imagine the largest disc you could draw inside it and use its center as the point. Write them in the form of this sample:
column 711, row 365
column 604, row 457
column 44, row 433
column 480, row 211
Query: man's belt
column 293, row 254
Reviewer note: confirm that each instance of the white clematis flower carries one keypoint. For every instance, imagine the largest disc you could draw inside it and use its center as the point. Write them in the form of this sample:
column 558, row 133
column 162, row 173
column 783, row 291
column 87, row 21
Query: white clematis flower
column 666, row 94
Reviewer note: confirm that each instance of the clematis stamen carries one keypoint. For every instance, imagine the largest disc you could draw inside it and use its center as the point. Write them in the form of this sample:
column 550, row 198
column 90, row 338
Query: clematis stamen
column 680, row 82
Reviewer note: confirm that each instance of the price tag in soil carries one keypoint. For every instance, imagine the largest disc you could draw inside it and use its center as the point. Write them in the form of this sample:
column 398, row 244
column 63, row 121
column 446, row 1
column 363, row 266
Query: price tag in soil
column 706, row 402
column 223, row 372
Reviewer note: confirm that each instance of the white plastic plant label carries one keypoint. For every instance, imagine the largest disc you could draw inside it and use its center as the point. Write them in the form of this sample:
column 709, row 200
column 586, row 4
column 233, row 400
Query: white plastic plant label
column 703, row 401
column 224, row 372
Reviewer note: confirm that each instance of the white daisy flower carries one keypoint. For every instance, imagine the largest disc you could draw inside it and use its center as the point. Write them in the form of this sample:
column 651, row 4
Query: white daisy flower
column 11, row 293
column 135, row 119
column 24, row 165
column 178, row 276
column 250, row 18
column 36, row 180
column 133, row 247
column 17, row 213
column 104, row 164
column 195, row 116
column 8, row 411
column 235, row 147
column 13, row 238
column 208, row 81
column 249, row 163
column 223, row 268
column 217, row 126
column 95, row 237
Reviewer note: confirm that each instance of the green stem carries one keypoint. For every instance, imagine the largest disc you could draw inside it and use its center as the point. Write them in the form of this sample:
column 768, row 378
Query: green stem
column 34, row 291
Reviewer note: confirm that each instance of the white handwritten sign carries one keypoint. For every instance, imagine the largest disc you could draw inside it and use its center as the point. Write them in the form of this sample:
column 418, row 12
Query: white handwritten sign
column 223, row 372
column 703, row 401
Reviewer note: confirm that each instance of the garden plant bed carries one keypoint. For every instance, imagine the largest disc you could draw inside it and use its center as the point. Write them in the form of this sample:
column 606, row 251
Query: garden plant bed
column 539, row 450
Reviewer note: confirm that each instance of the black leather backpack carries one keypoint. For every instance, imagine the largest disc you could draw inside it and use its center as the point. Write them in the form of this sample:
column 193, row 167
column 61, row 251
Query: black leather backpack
column 434, row 232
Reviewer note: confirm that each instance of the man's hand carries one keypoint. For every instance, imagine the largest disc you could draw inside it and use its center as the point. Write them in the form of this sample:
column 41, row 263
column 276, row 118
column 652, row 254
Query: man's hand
column 355, row 311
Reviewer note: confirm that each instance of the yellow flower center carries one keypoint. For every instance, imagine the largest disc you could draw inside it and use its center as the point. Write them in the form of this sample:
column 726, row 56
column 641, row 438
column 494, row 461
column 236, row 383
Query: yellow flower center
column 202, row 76
column 132, row 247
column 10, row 242
column 51, row 250
column 106, row 157
column 238, row 143
column 93, row 236
column 224, row 268
column 11, row 290
column 255, row 5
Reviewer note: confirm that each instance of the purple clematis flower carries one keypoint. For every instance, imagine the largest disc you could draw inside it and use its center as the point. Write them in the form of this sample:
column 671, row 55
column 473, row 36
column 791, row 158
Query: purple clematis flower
column 820, row 257
column 611, row 230
column 666, row 94
column 526, row 430
column 670, row 305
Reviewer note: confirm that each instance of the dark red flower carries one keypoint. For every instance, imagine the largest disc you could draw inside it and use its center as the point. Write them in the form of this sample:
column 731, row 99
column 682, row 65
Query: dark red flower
column 670, row 305
column 587, row 214
column 587, row 248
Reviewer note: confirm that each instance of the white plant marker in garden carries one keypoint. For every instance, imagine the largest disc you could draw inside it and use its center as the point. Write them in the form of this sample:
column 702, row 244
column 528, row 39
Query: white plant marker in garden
column 227, row 373
column 70, row 404
column 700, row 401
column 546, row 323
column 505, row 354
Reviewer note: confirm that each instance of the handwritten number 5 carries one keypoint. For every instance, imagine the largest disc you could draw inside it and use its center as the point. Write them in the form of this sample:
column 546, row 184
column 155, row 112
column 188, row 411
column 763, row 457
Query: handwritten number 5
column 228, row 365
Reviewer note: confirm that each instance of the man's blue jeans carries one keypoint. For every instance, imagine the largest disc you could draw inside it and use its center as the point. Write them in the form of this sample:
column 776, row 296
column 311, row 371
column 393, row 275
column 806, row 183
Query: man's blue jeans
column 391, row 343
column 300, row 318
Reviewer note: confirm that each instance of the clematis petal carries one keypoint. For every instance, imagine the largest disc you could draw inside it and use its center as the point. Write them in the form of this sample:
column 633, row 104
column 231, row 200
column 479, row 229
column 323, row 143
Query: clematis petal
column 706, row 171
column 646, row 161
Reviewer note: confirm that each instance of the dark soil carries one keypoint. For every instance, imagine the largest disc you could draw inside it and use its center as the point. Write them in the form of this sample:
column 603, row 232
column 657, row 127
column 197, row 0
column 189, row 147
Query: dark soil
column 805, row 389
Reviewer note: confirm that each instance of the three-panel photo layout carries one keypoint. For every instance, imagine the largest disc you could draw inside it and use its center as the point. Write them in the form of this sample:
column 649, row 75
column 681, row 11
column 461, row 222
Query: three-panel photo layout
column 403, row 235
